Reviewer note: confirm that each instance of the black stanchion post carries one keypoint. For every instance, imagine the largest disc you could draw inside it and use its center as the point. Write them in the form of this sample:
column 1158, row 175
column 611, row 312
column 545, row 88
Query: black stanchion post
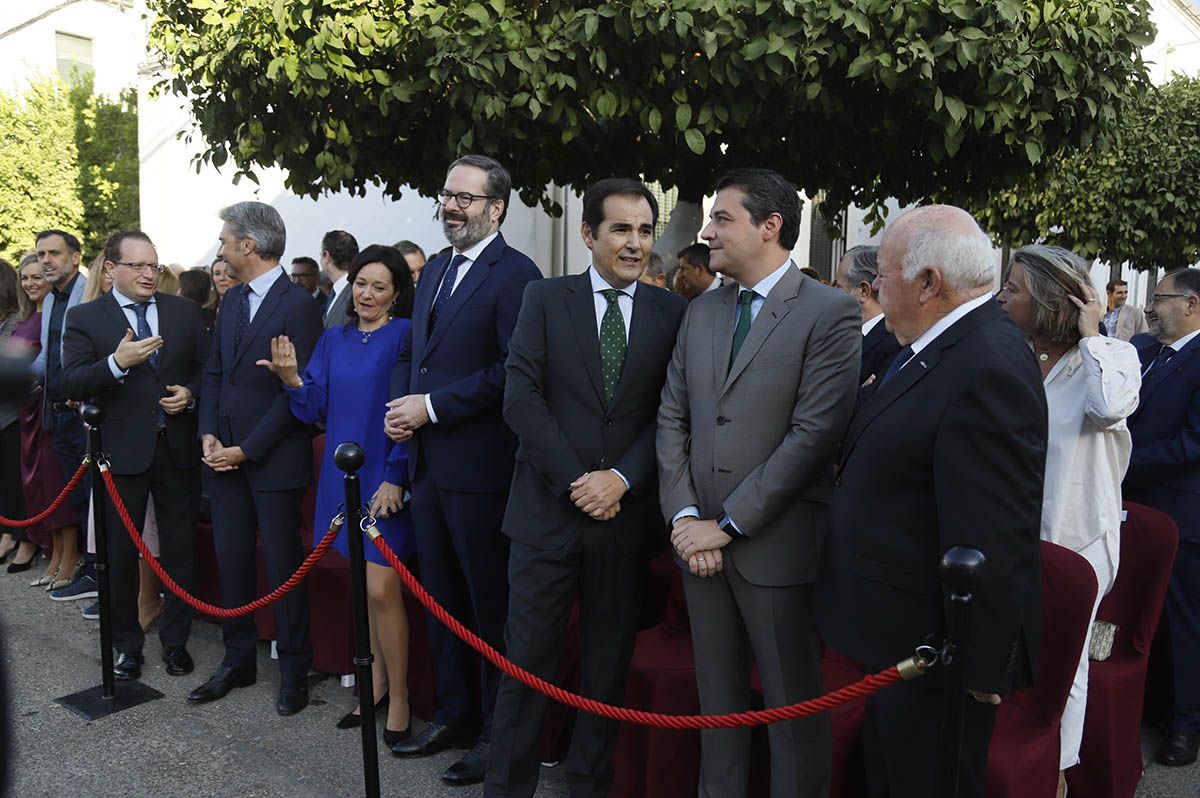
column 961, row 569
column 349, row 457
column 96, row 702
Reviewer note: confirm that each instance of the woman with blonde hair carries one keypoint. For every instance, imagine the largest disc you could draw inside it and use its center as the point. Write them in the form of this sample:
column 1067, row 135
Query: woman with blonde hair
column 1092, row 384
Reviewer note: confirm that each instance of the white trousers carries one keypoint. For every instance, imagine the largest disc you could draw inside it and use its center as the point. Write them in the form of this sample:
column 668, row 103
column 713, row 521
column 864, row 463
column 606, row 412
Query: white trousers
column 1070, row 733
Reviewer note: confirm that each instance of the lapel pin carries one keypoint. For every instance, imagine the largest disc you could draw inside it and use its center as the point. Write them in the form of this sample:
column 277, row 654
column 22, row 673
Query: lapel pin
column 922, row 362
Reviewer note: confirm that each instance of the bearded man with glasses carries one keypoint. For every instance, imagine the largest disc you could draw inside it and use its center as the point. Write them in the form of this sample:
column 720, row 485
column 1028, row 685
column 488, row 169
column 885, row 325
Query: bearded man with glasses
column 1164, row 472
column 448, row 389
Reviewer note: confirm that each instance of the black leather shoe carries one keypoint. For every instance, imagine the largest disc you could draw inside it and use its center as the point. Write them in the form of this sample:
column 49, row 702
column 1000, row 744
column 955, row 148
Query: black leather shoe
column 15, row 567
column 128, row 666
column 1179, row 748
column 224, row 680
column 393, row 738
column 470, row 769
column 352, row 720
column 433, row 738
column 178, row 660
column 292, row 699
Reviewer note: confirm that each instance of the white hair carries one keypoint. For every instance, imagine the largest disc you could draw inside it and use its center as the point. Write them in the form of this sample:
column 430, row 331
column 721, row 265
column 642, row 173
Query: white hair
column 965, row 259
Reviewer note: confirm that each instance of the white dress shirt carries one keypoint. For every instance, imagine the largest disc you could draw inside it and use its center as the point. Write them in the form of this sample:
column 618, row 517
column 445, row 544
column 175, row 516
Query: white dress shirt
column 716, row 283
column 1182, row 342
column 870, row 324
column 260, row 285
column 1089, row 392
column 471, row 256
column 624, row 301
column 339, row 285
column 943, row 324
column 126, row 304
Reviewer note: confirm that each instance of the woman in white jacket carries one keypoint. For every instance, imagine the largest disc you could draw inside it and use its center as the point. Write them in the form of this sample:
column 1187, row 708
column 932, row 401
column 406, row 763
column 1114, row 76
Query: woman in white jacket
column 1092, row 385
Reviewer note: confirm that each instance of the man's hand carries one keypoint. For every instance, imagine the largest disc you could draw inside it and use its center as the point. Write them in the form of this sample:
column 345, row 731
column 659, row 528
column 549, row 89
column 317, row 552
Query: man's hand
column 597, row 493
column 178, row 401
column 706, row 563
column 404, row 416
column 209, row 446
column 226, row 459
column 388, row 500
column 985, row 698
column 131, row 353
column 692, row 536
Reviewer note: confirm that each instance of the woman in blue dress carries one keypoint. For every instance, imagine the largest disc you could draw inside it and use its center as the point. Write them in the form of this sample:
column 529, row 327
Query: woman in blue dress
column 345, row 385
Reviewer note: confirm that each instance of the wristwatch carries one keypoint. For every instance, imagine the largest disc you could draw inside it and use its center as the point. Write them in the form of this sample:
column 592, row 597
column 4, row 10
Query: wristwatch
column 726, row 525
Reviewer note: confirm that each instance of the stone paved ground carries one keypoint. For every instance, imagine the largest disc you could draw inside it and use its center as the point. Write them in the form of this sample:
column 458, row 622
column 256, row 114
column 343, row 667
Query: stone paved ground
column 234, row 747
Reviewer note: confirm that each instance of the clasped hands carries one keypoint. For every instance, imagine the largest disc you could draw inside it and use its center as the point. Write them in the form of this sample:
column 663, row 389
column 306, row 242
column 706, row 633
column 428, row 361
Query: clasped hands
column 699, row 544
column 131, row 352
column 599, row 494
column 405, row 416
column 221, row 458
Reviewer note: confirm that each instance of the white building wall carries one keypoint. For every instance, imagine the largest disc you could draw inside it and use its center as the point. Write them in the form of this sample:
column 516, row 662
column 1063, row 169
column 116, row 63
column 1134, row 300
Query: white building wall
column 118, row 41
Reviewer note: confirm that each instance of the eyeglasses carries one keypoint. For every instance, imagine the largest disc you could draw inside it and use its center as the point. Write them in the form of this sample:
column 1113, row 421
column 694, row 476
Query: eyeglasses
column 1157, row 298
column 142, row 268
column 303, row 276
column 463, row 198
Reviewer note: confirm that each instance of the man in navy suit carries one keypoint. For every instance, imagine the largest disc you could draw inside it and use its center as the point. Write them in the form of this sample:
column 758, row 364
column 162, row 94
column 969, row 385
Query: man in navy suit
column 855, row 275
column 138, row 354
column 448, row 385
column 1164, row 472
column 949, row 450
column 260, row 453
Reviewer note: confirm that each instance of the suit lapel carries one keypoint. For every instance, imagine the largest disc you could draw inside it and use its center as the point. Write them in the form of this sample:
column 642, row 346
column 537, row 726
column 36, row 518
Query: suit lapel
column 774, row 308
column 423, row 303
column 872, row 339
column 479, row 271
column 642, row 328
column 921, row 365
column 266, row 309
column 581, row 308
column 722, row 333
column 1163, row 372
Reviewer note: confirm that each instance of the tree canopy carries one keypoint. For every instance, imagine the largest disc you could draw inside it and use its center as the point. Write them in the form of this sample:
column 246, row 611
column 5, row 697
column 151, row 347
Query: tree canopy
column 864, row 99
column 1137, row 201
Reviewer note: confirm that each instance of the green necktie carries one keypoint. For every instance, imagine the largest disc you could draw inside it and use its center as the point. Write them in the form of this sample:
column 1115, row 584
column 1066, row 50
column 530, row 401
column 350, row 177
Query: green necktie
column 612, row 343
column 742, row 329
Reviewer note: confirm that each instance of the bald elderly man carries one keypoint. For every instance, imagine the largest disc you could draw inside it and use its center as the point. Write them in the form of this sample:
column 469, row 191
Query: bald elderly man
column 951, row 449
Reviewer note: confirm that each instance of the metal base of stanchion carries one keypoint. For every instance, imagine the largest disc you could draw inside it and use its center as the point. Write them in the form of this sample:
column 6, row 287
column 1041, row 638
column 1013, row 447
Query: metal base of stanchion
column 90, row 704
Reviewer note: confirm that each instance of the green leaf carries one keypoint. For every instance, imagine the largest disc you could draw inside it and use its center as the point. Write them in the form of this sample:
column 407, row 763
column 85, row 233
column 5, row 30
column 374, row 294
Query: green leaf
column 683, row 116
column 860, row 65
column 1033, row 151
column 956, row 107
column 655, row 120
column 478, row 13
column 754, row 50
column 695, row 140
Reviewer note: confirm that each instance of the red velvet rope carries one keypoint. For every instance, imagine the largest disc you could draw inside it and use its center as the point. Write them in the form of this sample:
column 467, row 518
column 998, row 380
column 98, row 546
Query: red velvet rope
column 203, row 606
column 863, row 687
column 53, row 508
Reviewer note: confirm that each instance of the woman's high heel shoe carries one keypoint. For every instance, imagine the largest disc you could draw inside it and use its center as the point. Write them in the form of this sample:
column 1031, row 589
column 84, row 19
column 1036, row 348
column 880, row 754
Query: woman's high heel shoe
column 59, row 584
column 390, row 738
column 352, row 720
column 45, row 579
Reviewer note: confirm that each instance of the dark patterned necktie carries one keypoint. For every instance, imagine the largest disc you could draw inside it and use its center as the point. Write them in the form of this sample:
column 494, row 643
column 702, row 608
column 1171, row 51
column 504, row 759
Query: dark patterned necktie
column 744, row 320
column 143, row 332
column 242, row 322
column 1164, row 354
column 612, row 342
column 443, row 297
column 902, row 357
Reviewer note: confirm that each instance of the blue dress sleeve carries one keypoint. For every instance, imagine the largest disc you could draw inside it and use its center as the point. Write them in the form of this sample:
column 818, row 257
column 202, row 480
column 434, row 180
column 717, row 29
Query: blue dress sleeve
column 311, row 400
column 395, row 470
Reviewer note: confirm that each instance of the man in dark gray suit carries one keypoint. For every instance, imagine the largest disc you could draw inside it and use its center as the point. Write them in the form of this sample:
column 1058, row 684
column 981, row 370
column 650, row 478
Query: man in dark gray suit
column 758, row 394
column 585, row 368
column 338, row 249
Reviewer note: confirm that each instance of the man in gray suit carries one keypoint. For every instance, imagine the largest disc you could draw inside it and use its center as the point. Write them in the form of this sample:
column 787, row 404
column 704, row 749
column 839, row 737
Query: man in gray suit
column 759, row 391
column 338, row 249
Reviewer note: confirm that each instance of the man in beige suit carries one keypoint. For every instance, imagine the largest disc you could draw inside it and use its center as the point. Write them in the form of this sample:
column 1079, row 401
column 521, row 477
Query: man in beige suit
column 759, row 391
column 1122, row 319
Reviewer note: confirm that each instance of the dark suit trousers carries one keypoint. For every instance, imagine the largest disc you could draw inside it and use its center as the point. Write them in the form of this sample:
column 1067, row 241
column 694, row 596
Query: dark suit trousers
column 543, row 586
column 238, row 512
column 176, row 495
column 901, row 742
column 733, row 622
column 1183, row 619
column 462, row 555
